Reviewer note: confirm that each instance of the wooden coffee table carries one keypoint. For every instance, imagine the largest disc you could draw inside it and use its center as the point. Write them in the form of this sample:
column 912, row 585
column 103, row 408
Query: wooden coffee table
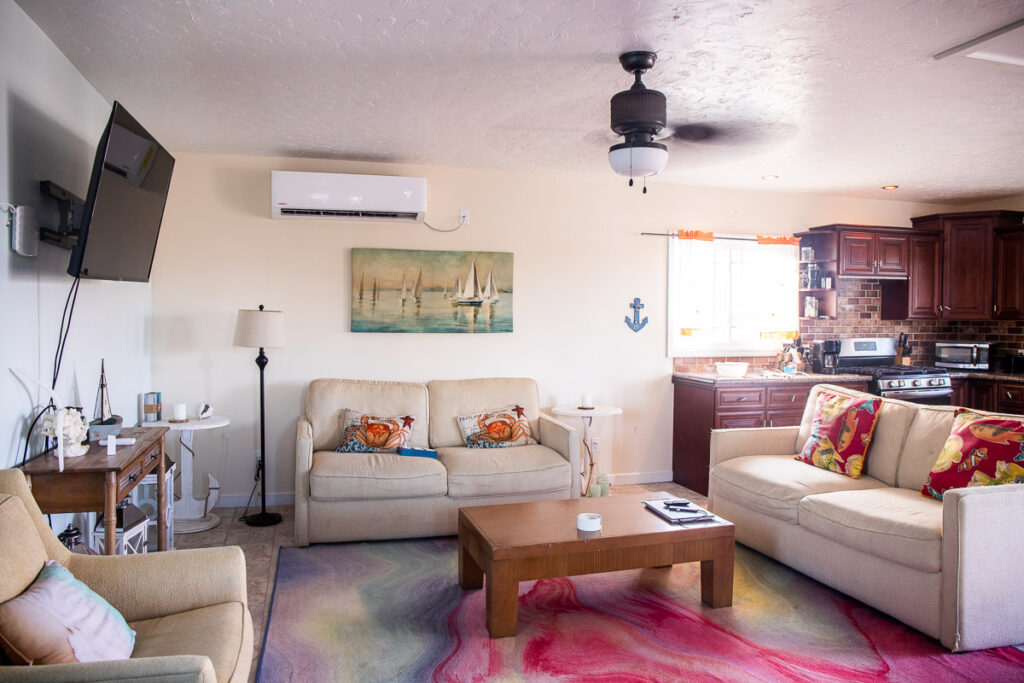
column 526, row 541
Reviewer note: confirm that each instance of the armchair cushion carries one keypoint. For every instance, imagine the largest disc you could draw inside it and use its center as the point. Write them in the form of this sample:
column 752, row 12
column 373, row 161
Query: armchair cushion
column 474, row 473
column 18, row 569
column 190, row 631
column 58, row 620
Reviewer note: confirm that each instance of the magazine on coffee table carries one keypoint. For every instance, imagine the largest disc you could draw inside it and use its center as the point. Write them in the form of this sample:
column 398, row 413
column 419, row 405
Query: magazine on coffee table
column 679, row 515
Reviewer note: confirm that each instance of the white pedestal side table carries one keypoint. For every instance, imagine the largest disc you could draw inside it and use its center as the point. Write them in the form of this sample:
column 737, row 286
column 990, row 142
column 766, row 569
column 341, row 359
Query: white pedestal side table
column 587, row 415
column 193, row 514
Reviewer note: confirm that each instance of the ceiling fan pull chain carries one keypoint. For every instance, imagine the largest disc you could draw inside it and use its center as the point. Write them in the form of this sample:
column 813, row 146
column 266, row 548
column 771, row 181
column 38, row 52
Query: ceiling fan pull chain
column 645, row 184
column 631, row 182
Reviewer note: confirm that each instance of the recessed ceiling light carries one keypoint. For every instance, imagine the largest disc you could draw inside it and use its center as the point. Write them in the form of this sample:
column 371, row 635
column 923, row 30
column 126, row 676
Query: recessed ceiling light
column 890, row 187
column 769, row 177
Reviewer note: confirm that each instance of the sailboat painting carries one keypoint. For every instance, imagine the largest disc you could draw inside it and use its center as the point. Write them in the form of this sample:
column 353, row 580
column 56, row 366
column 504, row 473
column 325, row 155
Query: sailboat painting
column 416, row 290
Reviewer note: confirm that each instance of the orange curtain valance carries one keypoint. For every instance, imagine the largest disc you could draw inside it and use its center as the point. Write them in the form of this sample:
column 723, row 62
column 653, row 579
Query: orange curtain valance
column 696, row 235
column 771, row 239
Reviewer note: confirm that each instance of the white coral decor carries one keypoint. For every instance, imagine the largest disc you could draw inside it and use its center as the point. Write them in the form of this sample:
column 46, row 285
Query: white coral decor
column 74, row 432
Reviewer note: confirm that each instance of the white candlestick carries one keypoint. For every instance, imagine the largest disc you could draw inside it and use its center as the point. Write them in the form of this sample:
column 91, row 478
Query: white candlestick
column 180, row 411
column 586, row 401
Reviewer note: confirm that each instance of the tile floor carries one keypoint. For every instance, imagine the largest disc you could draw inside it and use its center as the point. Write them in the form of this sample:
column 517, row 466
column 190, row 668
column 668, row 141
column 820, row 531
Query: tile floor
column 261, row 544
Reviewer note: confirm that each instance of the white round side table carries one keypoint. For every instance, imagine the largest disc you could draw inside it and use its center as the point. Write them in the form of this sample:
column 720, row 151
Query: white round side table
column 587, row 416
column 193, row 514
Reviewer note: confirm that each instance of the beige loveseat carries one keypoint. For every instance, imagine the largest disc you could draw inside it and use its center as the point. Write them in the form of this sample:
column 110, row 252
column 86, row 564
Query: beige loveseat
column 948, row 568
column 187, row 607
column 361, row 496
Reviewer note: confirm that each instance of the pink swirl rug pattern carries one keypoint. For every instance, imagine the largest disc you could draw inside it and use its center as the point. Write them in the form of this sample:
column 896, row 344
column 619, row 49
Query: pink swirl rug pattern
column 393, row 611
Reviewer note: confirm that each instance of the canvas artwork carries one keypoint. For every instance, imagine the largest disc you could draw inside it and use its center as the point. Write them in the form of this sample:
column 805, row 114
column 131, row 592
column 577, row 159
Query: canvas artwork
column 416, row 290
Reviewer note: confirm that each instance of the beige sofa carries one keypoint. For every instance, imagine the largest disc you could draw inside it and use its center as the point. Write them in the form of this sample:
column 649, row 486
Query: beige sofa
column 361, row 496
column 187, row 607
column 947, row 568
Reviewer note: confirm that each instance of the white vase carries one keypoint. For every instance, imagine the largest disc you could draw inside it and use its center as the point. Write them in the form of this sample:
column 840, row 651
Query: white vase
column 73, row 449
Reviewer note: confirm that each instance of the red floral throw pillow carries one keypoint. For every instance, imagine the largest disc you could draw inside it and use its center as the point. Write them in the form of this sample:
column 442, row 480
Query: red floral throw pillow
column 981, row 451
column 841, row 433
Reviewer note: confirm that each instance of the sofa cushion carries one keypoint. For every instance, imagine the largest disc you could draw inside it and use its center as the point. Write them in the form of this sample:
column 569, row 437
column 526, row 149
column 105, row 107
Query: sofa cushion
column 60, row 620
column 891, row 523
column 369, row 476
column 326, row 400
column 451, row 398
column 980, row 451
column 774, row 484
column 363, row 433
column 925, row 439
column 215, row 631
column 475, row 472
column 894, row 419
column 504, row 427
column 841, row 431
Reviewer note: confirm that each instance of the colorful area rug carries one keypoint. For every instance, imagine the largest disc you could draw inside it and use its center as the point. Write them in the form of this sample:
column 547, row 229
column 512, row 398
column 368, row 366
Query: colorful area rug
column 393, row 611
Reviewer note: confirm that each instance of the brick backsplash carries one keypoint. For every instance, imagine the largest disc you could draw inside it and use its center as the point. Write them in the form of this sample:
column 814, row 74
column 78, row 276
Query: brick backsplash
column 858, row 315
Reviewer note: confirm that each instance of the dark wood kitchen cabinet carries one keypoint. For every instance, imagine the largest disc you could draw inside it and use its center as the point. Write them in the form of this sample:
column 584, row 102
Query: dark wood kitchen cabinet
column 872, row 253
column 961, row 392
column 983, row 394
column 702, row 404
column 963, row 266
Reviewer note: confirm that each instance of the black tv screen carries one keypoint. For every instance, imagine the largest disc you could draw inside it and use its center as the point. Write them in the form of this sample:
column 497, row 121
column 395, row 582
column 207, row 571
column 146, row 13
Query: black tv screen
column 125, row 204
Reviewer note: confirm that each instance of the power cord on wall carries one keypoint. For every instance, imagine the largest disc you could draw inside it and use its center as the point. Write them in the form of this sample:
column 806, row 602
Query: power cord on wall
column 462, row 222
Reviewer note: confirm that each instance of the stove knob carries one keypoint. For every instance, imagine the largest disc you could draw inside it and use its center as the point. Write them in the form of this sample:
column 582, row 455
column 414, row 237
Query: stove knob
column 917, row 382
column 899, row 383
column 935, row 382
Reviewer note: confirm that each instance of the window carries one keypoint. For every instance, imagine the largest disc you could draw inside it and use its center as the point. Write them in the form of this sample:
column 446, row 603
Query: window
column 731, row 295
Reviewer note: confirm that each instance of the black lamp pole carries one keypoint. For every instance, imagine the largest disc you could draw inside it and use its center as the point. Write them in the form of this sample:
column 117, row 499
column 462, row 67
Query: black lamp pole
column 262, row 518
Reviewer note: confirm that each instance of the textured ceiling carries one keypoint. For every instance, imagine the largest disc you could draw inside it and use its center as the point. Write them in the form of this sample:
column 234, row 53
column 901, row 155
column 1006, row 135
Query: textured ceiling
column 832, row 96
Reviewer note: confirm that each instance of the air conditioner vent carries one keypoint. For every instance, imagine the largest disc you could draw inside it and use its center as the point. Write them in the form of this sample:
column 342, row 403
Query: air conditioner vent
column 345, row 213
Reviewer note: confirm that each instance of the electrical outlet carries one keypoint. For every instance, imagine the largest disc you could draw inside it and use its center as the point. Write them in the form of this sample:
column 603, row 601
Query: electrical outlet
column 464, row 216
column 595, row 445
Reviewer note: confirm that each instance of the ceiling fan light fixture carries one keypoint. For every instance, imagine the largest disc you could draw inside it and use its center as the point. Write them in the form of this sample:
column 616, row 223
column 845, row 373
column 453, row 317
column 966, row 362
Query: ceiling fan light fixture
column 890, row 187
column 638, row 159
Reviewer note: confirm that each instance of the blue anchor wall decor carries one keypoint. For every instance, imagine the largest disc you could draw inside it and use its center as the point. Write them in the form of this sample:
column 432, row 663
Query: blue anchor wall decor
column 636, row 324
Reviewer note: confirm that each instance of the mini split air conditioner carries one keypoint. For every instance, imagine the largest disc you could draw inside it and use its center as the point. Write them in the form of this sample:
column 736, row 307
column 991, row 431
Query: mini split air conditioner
column 347, row 196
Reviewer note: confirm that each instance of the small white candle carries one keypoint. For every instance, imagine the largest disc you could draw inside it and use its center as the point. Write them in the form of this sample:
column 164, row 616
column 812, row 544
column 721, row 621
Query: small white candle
column 180, row 411
column 588, row 521
column 587, row 401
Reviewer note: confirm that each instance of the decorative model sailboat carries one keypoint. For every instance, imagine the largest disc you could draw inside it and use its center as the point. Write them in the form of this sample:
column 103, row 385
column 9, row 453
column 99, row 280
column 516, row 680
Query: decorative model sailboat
column 471, row 295
column 417, row 291
column 490, row 291
column 104, row 422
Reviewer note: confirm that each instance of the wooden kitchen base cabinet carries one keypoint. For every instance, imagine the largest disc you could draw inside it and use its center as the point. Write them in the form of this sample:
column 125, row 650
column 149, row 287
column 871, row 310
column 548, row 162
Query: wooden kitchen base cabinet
column 703, row 403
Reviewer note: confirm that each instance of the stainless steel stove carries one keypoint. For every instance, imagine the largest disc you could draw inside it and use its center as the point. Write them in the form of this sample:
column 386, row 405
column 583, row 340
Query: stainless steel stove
column 875, row 356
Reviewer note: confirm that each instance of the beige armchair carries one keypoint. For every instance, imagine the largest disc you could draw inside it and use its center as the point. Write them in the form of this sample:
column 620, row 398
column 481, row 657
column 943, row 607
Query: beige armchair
column 187, row 607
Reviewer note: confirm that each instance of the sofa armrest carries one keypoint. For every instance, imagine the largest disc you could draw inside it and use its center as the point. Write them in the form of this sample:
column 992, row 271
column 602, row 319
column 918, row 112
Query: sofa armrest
column 303, row 463
column 176, row 669
column 982, row 544
column 156, row 584
column 735, row 443
column 566, row 440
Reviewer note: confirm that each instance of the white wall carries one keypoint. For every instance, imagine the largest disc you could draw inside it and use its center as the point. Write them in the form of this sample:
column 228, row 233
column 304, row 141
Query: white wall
column 50, row 122
column 579, row 261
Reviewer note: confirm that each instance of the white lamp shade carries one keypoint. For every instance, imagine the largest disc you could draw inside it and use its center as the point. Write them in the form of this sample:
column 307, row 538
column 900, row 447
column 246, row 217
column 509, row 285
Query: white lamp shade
column 259, row 328
column 638, row 161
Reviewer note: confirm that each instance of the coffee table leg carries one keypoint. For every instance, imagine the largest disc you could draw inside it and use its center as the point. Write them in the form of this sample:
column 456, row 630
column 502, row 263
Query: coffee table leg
column 502, row 601
column 470, row 574
column 716, row 576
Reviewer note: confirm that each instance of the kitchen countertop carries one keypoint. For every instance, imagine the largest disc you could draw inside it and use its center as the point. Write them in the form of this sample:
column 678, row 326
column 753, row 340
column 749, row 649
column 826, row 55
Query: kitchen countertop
column 979, row 374
column 778, row 378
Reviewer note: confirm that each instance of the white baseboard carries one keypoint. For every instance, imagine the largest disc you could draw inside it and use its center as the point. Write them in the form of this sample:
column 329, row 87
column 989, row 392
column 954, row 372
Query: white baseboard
column 239, row 500
column 640, row 477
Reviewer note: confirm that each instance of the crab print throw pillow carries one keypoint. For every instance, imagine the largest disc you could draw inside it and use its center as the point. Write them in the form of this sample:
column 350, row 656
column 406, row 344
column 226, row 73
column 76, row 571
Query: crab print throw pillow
column 841, row 433
column 362, row 433
column 498, row 428
column 981, row 451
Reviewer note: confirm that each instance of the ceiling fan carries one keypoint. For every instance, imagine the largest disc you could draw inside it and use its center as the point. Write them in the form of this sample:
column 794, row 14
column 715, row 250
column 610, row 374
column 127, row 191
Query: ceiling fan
column 639, row 115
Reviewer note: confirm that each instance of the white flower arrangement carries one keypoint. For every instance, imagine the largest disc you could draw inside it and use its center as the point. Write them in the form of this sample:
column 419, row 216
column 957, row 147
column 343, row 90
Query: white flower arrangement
column 74, row 431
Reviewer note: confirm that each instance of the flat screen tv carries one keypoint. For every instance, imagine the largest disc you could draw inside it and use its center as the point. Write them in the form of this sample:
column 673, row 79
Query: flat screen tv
column 121, row 218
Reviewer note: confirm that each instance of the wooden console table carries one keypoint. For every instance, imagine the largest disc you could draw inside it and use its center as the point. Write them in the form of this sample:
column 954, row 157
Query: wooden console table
column 96, row 482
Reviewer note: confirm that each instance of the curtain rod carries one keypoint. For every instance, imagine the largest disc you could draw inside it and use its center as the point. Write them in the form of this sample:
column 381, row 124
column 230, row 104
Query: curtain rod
column 737, row 238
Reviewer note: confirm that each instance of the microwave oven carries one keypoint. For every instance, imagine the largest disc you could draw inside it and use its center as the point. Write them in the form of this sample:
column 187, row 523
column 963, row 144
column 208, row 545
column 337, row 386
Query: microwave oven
column 960, row 354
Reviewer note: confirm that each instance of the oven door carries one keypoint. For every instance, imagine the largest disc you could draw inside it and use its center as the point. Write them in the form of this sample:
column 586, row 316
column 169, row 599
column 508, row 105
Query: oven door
column 935, row 397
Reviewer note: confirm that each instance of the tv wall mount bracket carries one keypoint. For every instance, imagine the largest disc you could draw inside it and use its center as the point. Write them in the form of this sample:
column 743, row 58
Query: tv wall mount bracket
column 69, row 216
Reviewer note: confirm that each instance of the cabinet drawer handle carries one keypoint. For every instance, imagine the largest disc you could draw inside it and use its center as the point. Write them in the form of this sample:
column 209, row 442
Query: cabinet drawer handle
column 1009, row 395
column 132, row 477
column 792, row 399
column 742, row 398
column 771, row 423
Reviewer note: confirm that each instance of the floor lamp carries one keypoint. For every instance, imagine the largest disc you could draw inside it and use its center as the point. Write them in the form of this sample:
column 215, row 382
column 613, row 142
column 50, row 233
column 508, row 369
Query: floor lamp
column 259, row 329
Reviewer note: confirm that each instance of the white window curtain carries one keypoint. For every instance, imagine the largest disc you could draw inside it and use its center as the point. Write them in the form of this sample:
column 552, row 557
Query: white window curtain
column 731, row 295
